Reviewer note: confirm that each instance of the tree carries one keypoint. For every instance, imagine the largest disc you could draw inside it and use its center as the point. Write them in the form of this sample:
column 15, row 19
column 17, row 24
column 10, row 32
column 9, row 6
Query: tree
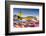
column 20, row 14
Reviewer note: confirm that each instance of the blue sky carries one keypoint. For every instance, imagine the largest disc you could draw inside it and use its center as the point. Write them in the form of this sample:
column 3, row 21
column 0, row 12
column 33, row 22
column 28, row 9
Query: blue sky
column 26, row 12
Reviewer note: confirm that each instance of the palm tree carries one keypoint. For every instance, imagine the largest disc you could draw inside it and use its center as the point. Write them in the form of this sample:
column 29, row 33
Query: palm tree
column 20, row 14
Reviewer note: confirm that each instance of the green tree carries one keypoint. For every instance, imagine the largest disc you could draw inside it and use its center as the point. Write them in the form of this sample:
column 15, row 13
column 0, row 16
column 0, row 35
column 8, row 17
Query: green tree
column 20, row 14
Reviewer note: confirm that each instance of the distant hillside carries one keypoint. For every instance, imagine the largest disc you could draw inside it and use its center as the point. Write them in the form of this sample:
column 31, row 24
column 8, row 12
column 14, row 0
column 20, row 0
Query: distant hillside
column 27, row 18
